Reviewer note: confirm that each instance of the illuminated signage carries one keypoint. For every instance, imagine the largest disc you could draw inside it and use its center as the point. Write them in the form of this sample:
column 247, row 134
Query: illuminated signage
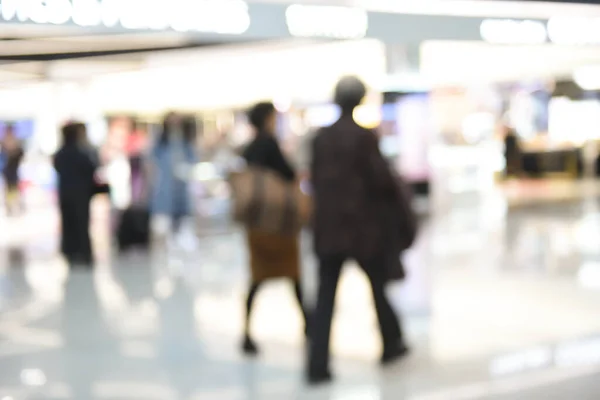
column 559, row 30
column 574, row 30
column 215, row 16
column 587, row 77
column 327, row 21
column 508, row 31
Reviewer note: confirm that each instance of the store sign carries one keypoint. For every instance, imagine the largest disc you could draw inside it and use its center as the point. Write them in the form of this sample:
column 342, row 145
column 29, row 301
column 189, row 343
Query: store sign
column 214, row 16
column 558, row 30
column 327, row 21
column 509, row 31
column 574, row 30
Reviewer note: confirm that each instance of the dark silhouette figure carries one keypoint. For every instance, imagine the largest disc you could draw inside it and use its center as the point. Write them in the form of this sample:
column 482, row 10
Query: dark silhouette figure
column 353, row 188
column 76, row 170
column 271, row 255
column 512, row 153
column 12, row 154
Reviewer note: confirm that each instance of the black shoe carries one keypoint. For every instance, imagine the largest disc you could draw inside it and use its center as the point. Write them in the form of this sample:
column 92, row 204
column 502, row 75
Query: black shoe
column 82, row 261
column 397, row 353
column 317, row 379
column 249, row 347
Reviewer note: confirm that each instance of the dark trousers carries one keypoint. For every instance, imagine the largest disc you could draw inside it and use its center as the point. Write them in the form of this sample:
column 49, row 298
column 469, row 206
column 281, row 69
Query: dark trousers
column 320, row 329
column 75, row 217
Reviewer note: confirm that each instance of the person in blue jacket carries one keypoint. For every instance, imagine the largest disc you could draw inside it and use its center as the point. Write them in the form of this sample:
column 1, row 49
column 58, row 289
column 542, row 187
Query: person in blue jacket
column 173, row 157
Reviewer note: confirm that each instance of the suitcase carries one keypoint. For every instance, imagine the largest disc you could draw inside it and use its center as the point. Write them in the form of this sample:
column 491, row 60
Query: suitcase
column 134, row 228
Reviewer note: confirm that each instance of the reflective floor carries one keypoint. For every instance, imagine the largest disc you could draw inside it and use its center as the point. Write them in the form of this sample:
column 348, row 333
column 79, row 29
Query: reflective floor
column 498, row 305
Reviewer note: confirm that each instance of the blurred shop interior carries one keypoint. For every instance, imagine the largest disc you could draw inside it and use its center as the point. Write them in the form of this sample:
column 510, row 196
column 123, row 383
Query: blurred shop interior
column 442, row 100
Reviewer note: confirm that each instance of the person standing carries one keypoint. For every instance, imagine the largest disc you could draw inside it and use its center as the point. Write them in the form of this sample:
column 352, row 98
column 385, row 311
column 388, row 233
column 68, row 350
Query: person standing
column 76, row 171
column 12, row 153
column 135, row 149
column 352, row 186
column 172, row 160
column 512, row 153
column 271, row 255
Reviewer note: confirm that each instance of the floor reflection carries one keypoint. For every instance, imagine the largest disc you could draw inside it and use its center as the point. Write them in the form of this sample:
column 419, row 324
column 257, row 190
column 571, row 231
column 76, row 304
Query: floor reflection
column 492, row 297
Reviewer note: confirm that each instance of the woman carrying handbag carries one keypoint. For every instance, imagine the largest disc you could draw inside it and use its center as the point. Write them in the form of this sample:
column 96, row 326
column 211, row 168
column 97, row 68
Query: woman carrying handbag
column 272, row 254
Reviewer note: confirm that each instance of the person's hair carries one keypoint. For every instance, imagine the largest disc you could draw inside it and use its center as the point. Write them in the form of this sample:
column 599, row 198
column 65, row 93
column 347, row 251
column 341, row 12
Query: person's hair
column 71, row 132
column 188, row 127
column 349, row 93
column 259, row 114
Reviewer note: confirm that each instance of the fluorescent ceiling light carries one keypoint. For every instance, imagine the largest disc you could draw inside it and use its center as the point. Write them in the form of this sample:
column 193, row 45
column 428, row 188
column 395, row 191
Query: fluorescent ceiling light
column 327, row 21
column 509, row 31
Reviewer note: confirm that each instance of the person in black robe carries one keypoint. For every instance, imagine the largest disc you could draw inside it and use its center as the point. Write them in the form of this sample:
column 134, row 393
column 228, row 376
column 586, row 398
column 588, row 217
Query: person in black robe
column 76, row 185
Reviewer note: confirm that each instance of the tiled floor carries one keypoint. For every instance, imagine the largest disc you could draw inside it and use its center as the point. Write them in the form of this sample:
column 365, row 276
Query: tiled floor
column 496, row 307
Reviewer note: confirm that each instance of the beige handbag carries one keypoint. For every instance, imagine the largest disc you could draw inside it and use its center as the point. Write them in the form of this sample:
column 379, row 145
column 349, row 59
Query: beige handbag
column 265, row 202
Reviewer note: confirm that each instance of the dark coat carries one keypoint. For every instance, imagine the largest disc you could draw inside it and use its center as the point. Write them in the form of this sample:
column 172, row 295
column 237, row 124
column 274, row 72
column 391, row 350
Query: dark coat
column 76, row 168
column 76, row 186
column 12, row 161
column 264, row 151
column 354, row 194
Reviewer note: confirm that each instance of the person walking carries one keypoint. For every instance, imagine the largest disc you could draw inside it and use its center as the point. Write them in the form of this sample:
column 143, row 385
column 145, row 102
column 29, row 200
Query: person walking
column 271, row 255
column 76, row 171
column 172, row 160
column 12, row 154
column 352, row 186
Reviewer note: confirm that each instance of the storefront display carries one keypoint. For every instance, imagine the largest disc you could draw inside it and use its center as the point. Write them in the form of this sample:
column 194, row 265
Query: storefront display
column 23, row 129
column 414, row 132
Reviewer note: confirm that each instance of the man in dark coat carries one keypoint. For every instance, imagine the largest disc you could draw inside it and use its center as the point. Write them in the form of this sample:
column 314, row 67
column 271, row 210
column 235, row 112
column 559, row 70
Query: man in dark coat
column 353, row 187
column 76, row 185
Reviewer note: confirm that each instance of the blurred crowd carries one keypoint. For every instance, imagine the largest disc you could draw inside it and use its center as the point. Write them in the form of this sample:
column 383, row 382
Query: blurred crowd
column 343, row 191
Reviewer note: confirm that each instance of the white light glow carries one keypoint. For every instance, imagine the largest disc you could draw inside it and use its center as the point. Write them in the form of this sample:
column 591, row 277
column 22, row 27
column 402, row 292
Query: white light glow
column 86, row 12
column 588, row 77
column 327, row 21
column 8, row 11
column 574, row 30
column 508, row 31
column 267, row 73
column 522, row 361
column 368, row 116
column 573, row 121
column 216, row 16
column 282, row 104
column 33, row 377
column 588, row 275
column 109, row 12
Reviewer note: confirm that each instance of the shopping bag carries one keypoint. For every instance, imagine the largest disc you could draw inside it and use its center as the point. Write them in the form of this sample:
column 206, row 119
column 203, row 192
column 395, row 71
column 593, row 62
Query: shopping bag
column 406, row 218
column 401, row 224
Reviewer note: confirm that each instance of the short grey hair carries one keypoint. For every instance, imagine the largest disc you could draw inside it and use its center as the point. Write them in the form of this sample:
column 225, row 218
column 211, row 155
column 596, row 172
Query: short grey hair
column 350, row 92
